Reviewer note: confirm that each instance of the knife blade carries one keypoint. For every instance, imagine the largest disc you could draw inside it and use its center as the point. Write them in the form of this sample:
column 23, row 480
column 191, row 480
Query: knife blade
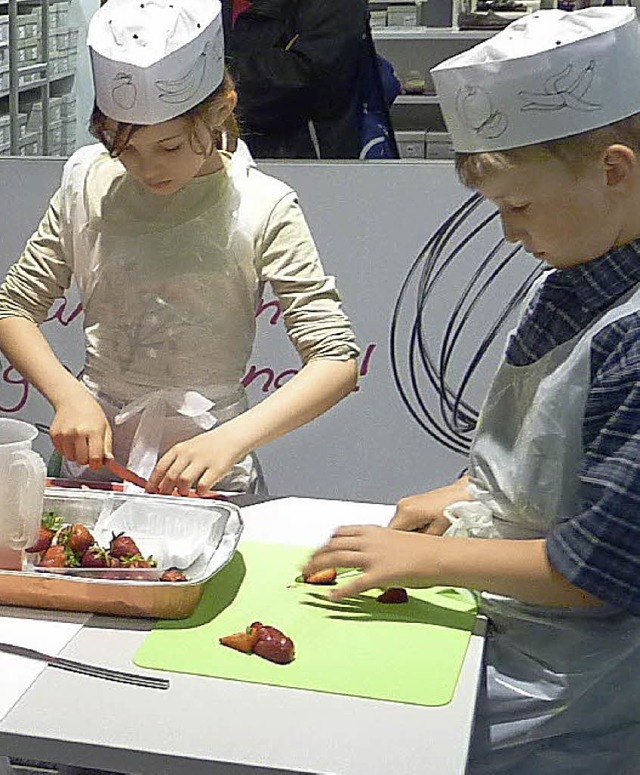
column 126, row 474
column 96, row 671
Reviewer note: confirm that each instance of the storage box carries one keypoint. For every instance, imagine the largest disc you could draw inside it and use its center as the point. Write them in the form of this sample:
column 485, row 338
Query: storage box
column 27, row 55
column 5, row 130
column 22, row 125
column 435, row 13
column 68, row 102
column 69, row 130
column 58, row 14
column 30, row 145
column 55, row 109
column 129, row 597
column 29, row 25
column 439, row 146
column 378, row 19
column 401, row 16
column 55, row 137
column 411, row 144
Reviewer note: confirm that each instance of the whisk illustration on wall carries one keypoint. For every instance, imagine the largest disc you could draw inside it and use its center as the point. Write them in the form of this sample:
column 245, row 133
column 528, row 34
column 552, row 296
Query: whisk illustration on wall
column 443, row 372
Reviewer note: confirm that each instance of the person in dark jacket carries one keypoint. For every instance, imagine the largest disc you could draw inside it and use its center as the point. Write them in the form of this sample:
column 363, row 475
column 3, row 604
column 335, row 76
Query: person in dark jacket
column 296, row 65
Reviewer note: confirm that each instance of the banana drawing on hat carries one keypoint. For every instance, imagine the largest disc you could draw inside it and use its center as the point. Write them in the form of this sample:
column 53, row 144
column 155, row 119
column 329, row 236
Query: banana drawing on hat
column 558, row 94
column 182, row 89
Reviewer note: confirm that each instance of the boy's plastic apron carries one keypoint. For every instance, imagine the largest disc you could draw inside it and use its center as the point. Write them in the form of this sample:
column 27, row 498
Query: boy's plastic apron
column 147, row 420
column 562, row 684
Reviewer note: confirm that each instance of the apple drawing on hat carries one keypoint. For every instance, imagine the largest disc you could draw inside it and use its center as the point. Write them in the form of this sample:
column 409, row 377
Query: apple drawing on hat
column 187, row 85
column 476, row 111
column 124, row 92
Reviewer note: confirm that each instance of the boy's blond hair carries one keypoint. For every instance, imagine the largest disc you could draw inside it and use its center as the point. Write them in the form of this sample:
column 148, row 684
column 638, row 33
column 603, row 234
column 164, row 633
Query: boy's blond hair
column 115, row 135
column 575, row 151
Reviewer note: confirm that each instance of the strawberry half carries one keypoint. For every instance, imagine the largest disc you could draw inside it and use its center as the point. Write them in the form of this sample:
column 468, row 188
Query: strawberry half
column 326, row 576
column 43, row 541
column 242, row 641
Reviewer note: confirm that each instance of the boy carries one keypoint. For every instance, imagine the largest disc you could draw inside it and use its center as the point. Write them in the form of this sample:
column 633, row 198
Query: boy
column 547, row 127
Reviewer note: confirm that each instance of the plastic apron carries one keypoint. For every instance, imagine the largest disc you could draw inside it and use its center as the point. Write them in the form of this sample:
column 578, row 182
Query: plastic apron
column 562, row 688
column 167, row 302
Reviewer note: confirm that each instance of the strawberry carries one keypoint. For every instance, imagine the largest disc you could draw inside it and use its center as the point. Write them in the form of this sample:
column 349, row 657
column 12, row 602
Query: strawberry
column 272, row 644
column 49, row 525
column 175, row 574
column 242, row 641
column 80, row 539
column 122, row 545
column 326, row 576
column 394, row 595
column 57, row 556
column 95, row 557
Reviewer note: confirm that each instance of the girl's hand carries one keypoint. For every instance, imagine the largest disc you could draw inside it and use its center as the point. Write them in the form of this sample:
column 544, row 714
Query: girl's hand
column 80, row 430
column 387, row 558
column 201, row 461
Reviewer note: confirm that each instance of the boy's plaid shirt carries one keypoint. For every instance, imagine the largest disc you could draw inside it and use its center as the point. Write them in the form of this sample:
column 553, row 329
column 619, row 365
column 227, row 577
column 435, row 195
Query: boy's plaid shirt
column 597, row 549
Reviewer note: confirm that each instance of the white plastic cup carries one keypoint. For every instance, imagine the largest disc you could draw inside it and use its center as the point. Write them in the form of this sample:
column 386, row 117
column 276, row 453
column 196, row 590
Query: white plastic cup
column 22, row 481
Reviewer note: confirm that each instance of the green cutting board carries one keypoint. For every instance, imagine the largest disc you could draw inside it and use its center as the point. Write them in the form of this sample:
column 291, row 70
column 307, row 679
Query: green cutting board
column 410, row 652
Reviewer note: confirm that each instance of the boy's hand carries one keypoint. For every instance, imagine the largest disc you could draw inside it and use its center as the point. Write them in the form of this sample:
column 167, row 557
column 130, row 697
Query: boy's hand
column 387, row 558
column 205, row 459
column 80, row 430
column 423, row 513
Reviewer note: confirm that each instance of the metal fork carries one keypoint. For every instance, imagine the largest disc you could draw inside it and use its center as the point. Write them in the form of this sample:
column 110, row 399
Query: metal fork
column 74, row 666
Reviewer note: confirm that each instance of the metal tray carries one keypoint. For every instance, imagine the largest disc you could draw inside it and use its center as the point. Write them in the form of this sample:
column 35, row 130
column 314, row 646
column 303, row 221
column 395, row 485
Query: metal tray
column 122, row 597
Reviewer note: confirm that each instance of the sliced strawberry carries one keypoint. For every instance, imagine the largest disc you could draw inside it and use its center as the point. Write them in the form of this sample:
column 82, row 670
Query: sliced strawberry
column 242, row 641
column 173, row 574
column 326, row 576
column 43, row 541
column 394, row 595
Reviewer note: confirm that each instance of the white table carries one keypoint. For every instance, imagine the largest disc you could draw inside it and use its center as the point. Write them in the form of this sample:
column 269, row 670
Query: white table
column 207, row 725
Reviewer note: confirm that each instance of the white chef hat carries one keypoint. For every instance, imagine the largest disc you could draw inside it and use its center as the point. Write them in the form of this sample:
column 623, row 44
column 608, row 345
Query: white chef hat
column 548, row 75
column 152, row 60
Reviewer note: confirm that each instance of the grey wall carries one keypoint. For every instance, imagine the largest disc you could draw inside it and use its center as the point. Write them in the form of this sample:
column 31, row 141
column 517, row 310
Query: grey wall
column 370, row 221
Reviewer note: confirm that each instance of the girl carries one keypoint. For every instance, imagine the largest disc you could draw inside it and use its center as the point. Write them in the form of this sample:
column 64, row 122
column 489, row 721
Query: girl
column 171, row 237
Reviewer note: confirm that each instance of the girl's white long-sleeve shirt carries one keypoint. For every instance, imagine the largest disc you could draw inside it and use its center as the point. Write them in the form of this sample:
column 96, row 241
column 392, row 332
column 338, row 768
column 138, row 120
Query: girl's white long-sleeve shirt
column 170, row 284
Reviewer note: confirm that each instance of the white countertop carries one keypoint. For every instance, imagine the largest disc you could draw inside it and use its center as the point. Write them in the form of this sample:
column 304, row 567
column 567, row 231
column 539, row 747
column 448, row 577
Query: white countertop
column 207, row 725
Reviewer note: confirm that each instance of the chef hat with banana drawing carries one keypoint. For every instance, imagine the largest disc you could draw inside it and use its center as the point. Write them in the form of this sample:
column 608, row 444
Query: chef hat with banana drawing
column 153, row 60
column 548, row 75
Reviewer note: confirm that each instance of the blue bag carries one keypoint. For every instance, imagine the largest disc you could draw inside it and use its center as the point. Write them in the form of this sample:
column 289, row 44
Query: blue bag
column 379, row 87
